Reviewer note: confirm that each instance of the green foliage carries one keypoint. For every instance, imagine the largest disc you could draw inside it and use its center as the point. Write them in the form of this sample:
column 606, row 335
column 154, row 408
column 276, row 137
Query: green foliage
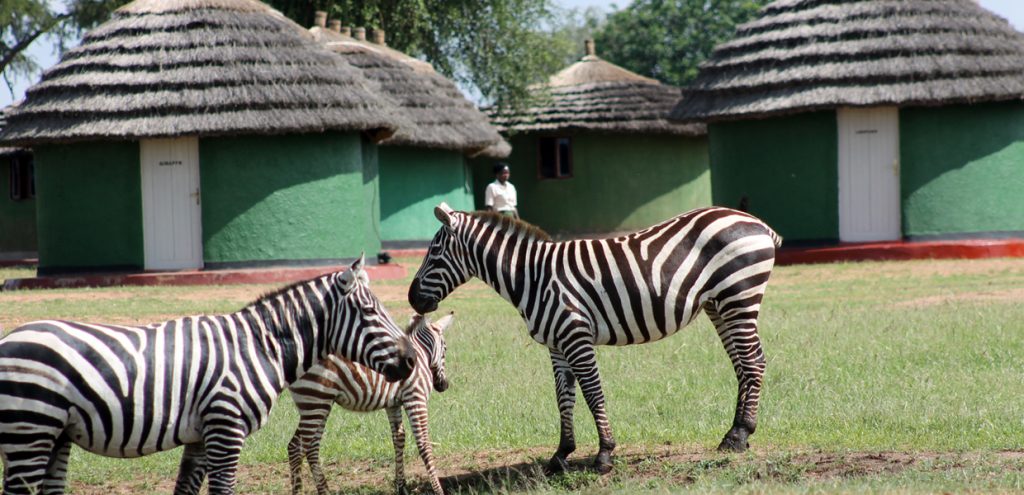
column 497, row 47
column 22, row 22
column 668, row 39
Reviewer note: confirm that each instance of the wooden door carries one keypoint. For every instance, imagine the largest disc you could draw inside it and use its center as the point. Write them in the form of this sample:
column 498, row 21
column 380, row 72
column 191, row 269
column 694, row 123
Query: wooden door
column 869, row 174
column 171, row 204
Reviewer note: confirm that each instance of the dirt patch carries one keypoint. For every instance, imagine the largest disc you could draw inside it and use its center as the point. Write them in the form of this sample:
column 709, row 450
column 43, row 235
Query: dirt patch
column 1011, row 295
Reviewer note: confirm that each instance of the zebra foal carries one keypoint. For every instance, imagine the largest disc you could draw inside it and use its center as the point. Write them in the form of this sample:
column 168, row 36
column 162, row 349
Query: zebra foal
column 357, row 388
column 627, row 290
column 205, row 382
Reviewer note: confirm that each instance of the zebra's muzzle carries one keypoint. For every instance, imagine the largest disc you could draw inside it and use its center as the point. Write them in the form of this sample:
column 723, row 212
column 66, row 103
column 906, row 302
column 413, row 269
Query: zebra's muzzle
column 420, row 303
column 405, row 364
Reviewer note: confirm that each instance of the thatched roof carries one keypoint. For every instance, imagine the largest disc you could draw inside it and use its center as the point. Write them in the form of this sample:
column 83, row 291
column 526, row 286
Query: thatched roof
column 7, row 151
column 804, row 55
column 596, row 95
column 499, row 150
column 164, row 68
column 441, row 116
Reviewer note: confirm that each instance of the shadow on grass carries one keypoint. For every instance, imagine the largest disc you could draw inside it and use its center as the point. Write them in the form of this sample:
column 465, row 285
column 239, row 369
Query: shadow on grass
column 520, row 477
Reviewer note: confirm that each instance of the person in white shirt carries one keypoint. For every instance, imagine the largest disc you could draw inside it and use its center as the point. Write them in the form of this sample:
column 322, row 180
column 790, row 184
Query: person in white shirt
column 500, row 195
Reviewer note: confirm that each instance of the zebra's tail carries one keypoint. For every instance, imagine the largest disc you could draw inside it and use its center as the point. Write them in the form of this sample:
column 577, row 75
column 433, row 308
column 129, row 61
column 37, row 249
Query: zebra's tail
column 776, row 238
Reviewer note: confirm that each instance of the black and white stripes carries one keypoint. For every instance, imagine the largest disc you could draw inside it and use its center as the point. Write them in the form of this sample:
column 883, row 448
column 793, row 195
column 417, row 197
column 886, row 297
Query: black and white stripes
column 627, row 290
column 206, row 382
column 358, row 388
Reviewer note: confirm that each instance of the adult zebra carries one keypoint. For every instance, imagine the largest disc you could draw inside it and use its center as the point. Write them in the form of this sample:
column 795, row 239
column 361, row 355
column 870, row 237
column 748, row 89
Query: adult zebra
column 632, row 289
column 356, row 388
column 205, row 382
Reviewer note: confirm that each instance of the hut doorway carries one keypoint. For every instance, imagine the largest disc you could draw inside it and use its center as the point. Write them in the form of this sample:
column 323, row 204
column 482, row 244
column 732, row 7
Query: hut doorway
column 171, row 220
column 869, row 182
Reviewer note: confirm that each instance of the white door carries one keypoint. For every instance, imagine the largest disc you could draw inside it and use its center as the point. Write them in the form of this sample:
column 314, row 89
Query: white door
column 171, row 221
column 869, row 174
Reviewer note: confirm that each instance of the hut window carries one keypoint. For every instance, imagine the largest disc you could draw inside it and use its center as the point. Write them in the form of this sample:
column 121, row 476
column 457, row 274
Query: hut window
column 23, row 183
column 555, row 160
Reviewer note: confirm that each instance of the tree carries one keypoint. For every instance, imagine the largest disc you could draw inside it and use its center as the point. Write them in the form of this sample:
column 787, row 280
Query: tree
column 496, row 47
column 23, row 22
column 668, row 39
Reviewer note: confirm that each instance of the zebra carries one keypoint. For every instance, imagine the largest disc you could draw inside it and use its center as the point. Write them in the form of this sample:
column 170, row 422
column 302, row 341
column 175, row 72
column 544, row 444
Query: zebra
column 356, row 388
column 205, row 382
column 632, row 289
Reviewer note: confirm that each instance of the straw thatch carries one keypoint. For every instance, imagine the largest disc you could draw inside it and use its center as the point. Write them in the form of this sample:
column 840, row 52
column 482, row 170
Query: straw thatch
column 804, row 55
column 496, row 151
column 164, row 68
column 441, row 116
column 596, row 95
column 6, row 151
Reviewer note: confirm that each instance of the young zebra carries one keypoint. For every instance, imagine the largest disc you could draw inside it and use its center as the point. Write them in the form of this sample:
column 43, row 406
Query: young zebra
column 357, row 388
column 632, row 289
column 205, row 382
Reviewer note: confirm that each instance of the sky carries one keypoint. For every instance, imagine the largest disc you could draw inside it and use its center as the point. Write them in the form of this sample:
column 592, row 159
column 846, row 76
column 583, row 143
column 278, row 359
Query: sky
column 43, row 52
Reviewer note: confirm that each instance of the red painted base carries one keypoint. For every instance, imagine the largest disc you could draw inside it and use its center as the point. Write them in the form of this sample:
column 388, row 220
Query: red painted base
column 899, row 250
column 390, row 271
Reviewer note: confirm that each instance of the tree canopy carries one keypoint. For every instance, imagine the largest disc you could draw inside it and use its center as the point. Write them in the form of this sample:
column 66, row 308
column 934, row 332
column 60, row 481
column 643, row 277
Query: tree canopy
column 668, row 39
column 495, row 47
column 22, row 22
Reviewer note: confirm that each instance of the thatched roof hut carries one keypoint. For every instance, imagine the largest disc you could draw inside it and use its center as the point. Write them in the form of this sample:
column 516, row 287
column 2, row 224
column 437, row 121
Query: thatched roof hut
column 596, row 95
column 17, row 205
column 164, row 68
column 598, row 136
column 806, row 55
column 868, row 120
column 441, row 116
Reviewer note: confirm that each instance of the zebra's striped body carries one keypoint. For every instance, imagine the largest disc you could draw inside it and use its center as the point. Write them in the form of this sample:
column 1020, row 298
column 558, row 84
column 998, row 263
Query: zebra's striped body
column 626, row 290
column 205, row 382
column 358, row 388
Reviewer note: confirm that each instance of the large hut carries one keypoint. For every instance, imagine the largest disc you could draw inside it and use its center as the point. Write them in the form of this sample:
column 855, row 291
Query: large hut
column 871, row 120
column 424, row 163
column 18, row 206
column 202, row 133
column 594, row 151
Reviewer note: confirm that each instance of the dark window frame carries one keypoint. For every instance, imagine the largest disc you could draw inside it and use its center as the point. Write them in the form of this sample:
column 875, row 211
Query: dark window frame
column 22, row 177
column 562, row 170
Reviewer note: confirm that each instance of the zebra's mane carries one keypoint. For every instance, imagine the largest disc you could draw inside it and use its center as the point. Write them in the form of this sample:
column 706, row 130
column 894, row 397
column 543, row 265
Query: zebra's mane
column 531, row 231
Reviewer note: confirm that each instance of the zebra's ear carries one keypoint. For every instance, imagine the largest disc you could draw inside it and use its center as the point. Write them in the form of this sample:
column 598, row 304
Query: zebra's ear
column 443, row 212
column 445, row 322
column 355, row 274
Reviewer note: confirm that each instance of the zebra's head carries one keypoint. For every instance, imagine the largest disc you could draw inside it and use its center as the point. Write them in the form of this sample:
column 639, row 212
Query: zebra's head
column 364, row 332
column 430, row 337
column 446, row 265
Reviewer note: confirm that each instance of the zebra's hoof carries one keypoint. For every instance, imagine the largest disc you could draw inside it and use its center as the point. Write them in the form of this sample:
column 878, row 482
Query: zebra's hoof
column 603, row 463
column 734, row 441
column 555, row 466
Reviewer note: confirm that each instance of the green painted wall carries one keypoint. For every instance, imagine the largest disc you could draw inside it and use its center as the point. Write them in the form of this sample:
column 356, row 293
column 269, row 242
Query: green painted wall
column 17, row 218
column 412, row 182
column 620, row 182
column 89, row 206
column 297, row 197
column 786, row 167
column 962, row 169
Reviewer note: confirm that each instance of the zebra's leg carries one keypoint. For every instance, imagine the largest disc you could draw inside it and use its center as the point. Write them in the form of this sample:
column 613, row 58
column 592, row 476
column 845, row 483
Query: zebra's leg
column 311, row 444
column 57, row 472
column 191, row 470
column 398, row 440
column 295, row 455
column 738, row 331
column 565, row 393
column 417, row 411
column 579, row 352
column 224, row 440
column 27, row 464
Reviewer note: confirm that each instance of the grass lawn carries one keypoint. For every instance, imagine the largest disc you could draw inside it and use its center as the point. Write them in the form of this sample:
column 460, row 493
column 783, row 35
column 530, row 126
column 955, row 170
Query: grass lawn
column 881, row 377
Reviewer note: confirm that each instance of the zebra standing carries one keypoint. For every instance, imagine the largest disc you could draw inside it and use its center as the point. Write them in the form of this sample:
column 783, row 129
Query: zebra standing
column 627, row 290
column 358, row 388
column 205, row 382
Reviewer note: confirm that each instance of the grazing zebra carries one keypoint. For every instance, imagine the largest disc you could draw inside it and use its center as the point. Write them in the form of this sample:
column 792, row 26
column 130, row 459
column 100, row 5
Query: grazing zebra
column 205, row 382
column 627, row 290
column 357, row 388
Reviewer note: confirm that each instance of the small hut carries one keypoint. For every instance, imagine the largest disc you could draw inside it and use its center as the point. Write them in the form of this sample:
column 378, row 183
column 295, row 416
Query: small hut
column 594, row 151
column 871, row 120
column 202, row 133
column 424, row 163
column 18, row 206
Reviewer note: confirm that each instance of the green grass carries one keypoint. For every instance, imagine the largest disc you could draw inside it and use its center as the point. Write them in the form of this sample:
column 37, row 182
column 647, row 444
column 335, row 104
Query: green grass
column 915, row 357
